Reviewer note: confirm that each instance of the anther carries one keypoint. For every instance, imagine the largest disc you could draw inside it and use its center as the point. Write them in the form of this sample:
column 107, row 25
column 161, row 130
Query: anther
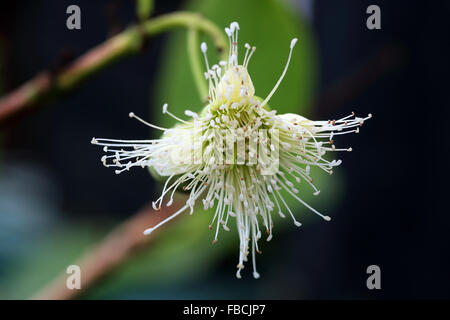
column 293, row 42
column 204, row 47
column 234, row 26
column 189, row 113
column 148, row 231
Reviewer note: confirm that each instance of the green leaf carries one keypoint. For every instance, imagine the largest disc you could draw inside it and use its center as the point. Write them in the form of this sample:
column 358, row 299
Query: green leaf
column 269, row 25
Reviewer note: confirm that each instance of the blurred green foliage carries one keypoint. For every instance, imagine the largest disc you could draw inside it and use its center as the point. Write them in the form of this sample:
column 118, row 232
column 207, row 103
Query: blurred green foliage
column 48, row 257
column 144, row 9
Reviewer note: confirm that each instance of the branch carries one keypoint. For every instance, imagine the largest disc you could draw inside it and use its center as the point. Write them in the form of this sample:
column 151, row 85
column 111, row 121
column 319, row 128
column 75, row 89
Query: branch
column 48, row 85
column 101, row 260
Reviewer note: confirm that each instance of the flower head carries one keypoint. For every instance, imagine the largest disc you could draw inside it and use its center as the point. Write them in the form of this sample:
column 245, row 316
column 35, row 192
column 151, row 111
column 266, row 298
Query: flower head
column 237, row 155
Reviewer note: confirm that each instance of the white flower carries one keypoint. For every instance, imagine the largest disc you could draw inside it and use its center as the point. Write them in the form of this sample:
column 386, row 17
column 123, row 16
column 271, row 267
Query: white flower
column 236, row 155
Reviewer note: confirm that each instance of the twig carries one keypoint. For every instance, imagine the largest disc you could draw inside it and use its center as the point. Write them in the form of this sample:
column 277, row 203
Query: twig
column 98, row 262
column 48, row 85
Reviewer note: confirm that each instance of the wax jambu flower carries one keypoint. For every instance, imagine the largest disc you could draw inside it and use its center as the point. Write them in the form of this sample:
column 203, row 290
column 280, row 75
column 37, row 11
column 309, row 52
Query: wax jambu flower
column 237, row 155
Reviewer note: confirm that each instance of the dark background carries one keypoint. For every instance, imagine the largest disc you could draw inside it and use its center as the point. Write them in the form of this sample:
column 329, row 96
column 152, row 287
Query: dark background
column 395, row 213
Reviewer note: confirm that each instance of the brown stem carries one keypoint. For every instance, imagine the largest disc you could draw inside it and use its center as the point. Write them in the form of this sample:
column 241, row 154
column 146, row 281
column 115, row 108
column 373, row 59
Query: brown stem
column 98, row 262
column 50, row 85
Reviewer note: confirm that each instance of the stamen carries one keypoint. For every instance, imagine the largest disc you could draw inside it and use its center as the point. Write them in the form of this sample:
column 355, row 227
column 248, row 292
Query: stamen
column 204, row 48
column 164, row 110
column 150, row 230
column 192, row 114
column 248, row 59
column 293, row 42
column 132, row 115
column 247, row 46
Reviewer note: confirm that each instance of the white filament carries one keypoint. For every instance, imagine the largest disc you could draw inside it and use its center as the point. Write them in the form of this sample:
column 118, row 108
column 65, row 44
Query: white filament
column 293, row 42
